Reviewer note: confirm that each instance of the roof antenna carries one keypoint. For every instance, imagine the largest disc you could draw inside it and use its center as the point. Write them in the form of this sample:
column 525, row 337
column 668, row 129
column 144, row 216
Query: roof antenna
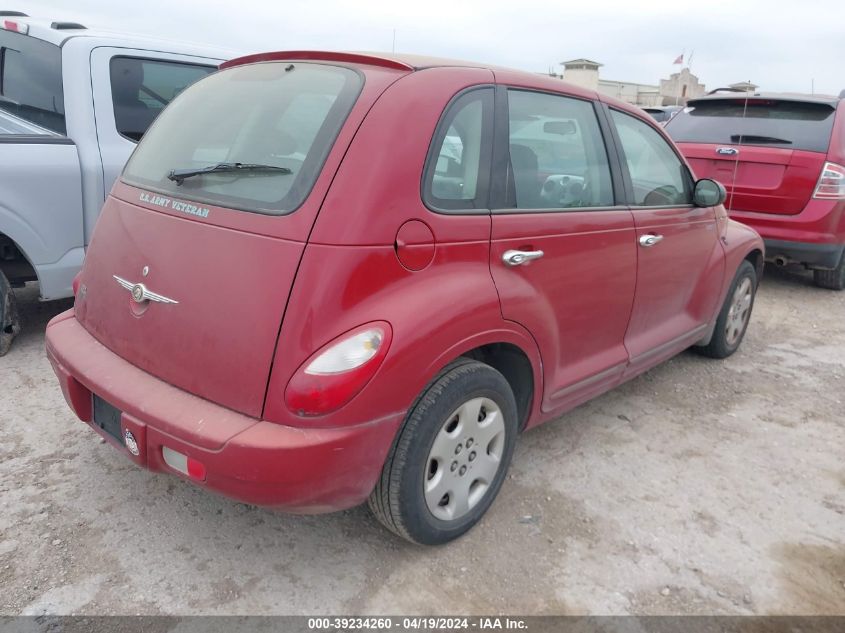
column 393, row 49
column 736, row 156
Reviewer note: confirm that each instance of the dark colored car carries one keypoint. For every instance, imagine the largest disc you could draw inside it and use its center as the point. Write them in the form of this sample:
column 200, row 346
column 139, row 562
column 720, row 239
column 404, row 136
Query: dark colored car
column 325, row 278
column 662, row 114
column 781, row 158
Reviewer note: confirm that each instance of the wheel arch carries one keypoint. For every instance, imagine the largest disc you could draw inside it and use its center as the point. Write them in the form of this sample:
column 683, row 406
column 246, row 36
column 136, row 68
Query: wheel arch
column 511, row 352
column 757, row 259
column 14, row 261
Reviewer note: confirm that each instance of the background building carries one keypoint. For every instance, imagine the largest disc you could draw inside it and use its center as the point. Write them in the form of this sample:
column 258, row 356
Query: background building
column 679, row 87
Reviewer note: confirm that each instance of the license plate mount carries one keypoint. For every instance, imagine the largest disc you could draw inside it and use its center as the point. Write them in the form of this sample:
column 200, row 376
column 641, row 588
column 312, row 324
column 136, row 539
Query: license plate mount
column 107, row 418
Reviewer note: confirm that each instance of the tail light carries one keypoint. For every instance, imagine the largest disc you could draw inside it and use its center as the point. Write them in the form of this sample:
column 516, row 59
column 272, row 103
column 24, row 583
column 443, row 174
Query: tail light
column 17, row 27
column 337, row 372
column 832, row 183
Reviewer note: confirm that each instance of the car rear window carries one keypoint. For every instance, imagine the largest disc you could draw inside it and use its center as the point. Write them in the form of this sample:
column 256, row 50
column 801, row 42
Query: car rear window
column 279, row 116
column 31, row 80
column 764, row 122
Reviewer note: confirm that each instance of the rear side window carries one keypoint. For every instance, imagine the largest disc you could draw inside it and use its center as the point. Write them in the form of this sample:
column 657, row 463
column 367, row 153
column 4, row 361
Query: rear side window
column 558, row 158
column 764, row 122
column 31, row 80
column 658, row 176
column 278, row 120
column 457, row 173
column 142, row 87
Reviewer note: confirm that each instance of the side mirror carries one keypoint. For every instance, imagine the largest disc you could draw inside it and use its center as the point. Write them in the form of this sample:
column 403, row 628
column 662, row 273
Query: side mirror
column 708, row 193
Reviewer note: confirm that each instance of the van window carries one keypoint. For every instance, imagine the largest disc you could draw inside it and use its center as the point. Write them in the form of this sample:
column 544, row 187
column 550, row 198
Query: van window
column 457, row 173
column 278, row 119
column 658, row 176
column 557, row 155
column 764, row 122
column 142, row 87
column 31, row 80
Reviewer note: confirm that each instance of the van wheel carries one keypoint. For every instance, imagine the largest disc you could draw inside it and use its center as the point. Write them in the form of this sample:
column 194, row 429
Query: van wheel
column 450, row 456
column 734, row 316
column 9, row 322
column 831, row 279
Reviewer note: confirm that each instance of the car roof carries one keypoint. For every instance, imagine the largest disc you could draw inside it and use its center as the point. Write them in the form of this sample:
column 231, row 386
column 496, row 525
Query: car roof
column 397, row 61
column 768, row 96
column 411, row 63
column 59, row 32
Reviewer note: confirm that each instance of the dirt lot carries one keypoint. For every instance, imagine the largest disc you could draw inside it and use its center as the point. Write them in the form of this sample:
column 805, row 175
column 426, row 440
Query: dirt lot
column 700, row 487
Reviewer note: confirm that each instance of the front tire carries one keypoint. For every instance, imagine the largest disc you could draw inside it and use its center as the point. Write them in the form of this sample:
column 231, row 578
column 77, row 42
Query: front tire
column 735, row 314
column 831, row 279
column 450, row 457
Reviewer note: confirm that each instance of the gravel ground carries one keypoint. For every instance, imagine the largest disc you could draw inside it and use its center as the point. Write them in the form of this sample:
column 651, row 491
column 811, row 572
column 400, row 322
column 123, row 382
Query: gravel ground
column 703, row 486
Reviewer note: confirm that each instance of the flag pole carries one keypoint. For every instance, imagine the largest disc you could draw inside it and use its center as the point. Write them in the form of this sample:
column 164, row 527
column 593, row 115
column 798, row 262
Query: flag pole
column 678, row 92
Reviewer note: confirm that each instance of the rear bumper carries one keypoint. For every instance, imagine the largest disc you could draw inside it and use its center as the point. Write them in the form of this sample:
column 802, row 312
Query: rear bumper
column 812, row 255
column 305, row 470
column 813, row 237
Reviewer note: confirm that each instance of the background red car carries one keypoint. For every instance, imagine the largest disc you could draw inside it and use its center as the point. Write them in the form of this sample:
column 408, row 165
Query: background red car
column 329, row 277
column 782, row 159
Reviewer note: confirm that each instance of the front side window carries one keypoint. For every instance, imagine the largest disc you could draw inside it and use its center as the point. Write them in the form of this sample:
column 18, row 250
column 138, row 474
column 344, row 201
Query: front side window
column 261, row 132
column 456, row 176
column 142, row 87
column 658, row 176
column 558, row 159
column 31, row 80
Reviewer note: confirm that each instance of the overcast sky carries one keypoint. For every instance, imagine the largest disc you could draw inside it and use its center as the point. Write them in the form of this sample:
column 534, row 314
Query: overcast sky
column 780, row 46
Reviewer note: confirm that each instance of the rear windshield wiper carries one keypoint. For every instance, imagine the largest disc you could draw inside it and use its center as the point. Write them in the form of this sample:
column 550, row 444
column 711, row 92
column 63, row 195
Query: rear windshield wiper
column 753, row 138
column 179, row 175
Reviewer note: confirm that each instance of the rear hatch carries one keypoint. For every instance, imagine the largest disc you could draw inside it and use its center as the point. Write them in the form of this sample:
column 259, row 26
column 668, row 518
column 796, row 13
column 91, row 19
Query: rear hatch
column 767, row 152
column 217, row 252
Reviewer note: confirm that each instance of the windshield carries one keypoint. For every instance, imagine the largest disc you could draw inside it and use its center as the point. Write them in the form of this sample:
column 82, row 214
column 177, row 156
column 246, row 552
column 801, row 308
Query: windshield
column 765, row 122
column 275, row 115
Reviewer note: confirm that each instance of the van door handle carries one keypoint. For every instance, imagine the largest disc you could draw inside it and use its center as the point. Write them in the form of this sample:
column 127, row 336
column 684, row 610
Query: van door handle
column 650, row 240
column 517, row 258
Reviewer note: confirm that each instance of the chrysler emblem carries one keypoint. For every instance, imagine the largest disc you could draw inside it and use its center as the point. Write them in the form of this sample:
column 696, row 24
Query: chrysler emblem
column 140, row 293
column 131, row 444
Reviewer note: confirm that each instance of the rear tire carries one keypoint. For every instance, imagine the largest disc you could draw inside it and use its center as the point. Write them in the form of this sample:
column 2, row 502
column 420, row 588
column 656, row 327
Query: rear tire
column 9, row 321
column 831, row 279
column 450, row 457
column 734, row 316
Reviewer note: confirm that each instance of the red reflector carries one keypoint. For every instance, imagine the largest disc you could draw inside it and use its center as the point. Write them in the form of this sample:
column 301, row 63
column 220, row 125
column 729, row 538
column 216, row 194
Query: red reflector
column 196, row 470
column 184, row 464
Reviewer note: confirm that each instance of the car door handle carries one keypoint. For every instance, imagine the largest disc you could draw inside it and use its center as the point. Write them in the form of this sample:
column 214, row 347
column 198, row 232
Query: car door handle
column 517, row 258
column 650, row 240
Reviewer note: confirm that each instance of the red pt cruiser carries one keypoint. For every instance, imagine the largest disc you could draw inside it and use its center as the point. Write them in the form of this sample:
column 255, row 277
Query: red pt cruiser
column 325, row 278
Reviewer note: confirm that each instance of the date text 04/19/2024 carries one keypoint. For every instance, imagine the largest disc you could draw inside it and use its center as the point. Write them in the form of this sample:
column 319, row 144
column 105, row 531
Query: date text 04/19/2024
column 422, row 623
